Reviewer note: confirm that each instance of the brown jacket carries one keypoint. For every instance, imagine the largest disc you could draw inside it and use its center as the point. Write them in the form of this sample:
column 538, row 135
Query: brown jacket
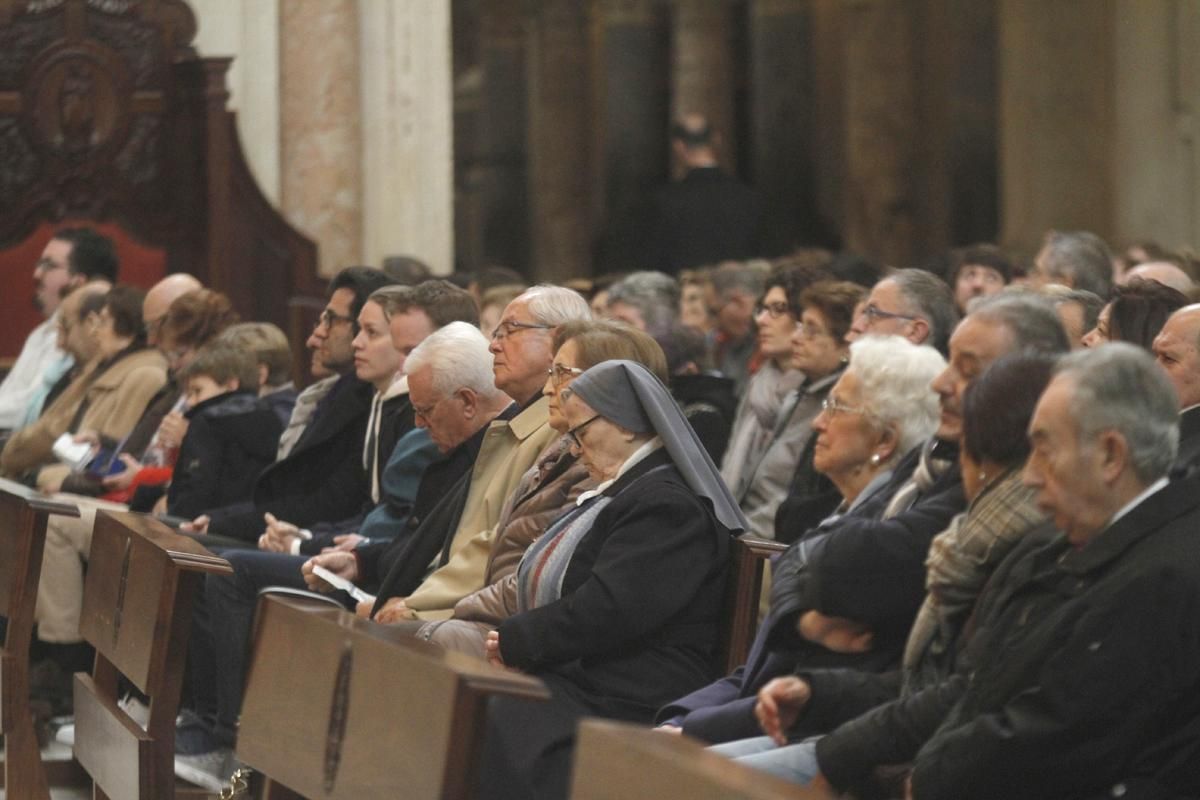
column 546, row 492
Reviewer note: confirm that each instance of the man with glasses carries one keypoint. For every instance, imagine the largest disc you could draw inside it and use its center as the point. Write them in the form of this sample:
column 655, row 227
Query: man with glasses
column 73, row 257
column 322, row 477
column 911, row 303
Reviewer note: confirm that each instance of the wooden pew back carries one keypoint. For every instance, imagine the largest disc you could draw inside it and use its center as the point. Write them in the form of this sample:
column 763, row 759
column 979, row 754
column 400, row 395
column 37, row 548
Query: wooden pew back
column 137, row 610
column 618, row 761
column 338, row 707
column 23, row 515
column 742, row 591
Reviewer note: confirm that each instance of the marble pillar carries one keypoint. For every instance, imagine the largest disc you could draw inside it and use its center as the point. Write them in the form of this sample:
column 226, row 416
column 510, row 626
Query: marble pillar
column 1057, row 111
column 703, row 68
column 407, row 131
column 630, row 105
column 559, row 136
column 1157, row 123
column 880, row 106
column 320, row 136
column 248, row 30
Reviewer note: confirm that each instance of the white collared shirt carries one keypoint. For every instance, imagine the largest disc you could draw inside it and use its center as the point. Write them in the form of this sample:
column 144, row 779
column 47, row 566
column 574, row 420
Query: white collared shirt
column 1135, row 502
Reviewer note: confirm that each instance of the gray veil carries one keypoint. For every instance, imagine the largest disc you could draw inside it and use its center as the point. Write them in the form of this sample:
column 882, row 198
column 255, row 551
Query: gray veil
column 631, row 396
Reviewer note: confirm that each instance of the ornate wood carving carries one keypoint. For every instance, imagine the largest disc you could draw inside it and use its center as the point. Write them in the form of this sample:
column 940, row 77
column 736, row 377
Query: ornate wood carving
column 108, row 114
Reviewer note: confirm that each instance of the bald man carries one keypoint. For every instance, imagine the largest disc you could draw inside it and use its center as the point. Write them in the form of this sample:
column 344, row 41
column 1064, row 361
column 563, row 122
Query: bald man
column 159, row 299
column 1177, row 349
column 1164, row 272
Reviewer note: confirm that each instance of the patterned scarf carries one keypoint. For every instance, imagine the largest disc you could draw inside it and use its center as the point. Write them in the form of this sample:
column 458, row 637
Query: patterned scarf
column 540, row 574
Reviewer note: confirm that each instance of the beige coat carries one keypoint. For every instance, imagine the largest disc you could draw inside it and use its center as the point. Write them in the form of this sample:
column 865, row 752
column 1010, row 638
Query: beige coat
column 509, row 449
column 116, row 400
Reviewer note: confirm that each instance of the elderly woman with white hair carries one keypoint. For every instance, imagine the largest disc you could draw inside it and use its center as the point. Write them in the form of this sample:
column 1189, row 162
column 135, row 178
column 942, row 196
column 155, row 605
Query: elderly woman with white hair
column 873, row 442
column 619, row 601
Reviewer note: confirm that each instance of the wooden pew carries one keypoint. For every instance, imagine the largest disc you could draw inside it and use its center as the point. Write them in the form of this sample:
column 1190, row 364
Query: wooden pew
column 618, row 761
column 23, row 515
column 743, row 588
column 137, row 612
column 340, row 708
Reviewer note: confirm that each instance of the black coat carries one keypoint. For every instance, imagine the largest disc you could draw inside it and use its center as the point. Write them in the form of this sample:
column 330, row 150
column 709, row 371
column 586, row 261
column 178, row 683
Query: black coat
column 1083, row 674
column 641, row 599
column 723, row 710
column 1189, row 443
column 321, row 479
column 231, row 438
column 397, row 566
column 707, row 217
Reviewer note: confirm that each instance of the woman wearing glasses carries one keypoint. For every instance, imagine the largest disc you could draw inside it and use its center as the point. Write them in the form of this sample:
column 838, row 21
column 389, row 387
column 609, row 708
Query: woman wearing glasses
column 761, row 423
column 548, row 490
column 618, row 602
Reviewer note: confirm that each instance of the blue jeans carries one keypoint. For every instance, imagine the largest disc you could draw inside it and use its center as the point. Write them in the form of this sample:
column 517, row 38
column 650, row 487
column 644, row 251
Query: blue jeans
column 796, row 763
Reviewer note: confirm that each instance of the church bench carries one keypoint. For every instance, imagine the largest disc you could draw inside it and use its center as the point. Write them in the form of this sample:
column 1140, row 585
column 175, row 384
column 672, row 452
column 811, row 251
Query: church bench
column 339, row 707
column 619, row 761
column 743, row 588
column 23, row 515
column 137, row 611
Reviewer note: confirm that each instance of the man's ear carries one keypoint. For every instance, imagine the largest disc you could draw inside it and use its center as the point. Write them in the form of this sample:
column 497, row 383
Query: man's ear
column 1113, row 452
column 920, row 331
column 263, row 374
column 470, row 402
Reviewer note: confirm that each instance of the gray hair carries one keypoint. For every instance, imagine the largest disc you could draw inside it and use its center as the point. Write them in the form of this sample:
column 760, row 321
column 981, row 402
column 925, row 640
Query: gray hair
column 554, row 305
column 930, row 298
column 748, row 277
column 1091, row 303
column 895, row 376
column 1079, row 257
column 1029, row 317
column 458, row 356
column 654, row 294
column 1119, row 387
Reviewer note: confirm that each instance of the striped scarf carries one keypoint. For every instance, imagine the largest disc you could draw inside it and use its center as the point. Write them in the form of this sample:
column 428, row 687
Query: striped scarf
column 540, row 574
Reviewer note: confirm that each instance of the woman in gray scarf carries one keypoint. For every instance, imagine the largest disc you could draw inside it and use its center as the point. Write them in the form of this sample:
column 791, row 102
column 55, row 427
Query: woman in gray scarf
column 620, row 600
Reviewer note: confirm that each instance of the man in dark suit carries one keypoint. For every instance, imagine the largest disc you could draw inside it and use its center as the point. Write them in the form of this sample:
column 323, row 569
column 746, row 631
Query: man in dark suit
column 708, row 215
column 1177, row 348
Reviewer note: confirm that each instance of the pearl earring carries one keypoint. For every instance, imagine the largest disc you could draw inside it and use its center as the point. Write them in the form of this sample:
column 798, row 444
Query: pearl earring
column 875, row 459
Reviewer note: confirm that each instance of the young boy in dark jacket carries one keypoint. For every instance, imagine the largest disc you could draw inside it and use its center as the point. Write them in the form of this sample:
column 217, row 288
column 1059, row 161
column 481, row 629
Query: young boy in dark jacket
column 232, row 433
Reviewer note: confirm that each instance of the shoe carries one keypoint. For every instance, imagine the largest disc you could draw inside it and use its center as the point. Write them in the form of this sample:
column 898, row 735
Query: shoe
column 137, row 711
column 212, row 770
column 193, row 736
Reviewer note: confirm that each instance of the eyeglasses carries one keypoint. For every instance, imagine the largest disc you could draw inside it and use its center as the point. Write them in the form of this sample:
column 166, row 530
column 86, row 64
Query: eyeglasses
column 809, row 331
column 424, row 411
column 832, row 407
column 329, row 317
column 874, row 313
column 774, row 310
column 560, row 372
column 507, row 329
column 574, row 432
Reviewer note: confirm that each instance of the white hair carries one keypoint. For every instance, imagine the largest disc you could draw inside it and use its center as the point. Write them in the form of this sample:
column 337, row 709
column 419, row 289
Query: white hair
column 554, row 305
column 894, row 376
column 458, row 356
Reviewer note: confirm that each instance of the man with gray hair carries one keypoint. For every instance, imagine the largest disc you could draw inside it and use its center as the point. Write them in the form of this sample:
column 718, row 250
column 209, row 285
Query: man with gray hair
column 649, row 301
column 1077, row 260
column 1080, row 678
column 911, row 303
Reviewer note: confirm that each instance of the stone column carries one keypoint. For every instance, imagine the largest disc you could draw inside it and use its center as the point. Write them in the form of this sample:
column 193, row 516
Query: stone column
column 559, row 134
column 784, row 119
column 881, row 129
column 630, row 137
column 322, row 191
column 407, row 131
column 1057, row 112
column 1157, row 123
column 703, row 69
column 249, row 31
